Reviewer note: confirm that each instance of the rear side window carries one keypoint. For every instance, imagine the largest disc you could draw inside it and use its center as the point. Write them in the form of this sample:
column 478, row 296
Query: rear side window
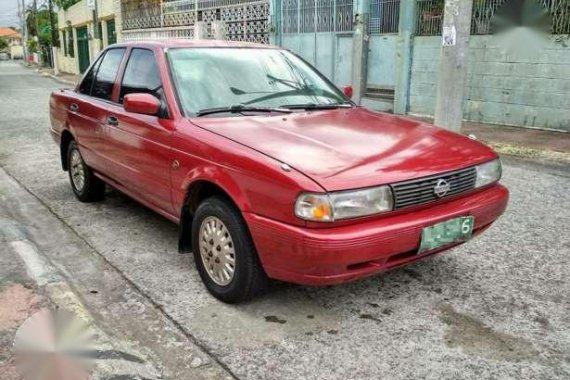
column 105, row 77
column 141, row 75
column 87, row 83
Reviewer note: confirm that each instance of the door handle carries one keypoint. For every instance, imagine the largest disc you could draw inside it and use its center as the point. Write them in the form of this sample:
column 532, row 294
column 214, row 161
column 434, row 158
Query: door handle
column 112, row 120
column 73, row 107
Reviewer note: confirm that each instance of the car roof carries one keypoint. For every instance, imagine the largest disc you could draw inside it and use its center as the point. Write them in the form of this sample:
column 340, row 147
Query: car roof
column 166, row 44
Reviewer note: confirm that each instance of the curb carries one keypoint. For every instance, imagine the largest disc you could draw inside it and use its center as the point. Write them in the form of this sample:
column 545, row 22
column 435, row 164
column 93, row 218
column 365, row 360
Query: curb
column 530, row 153
column 57, row 79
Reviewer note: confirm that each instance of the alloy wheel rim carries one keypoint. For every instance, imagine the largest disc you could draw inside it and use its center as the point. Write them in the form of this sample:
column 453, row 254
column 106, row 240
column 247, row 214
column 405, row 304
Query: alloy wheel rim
column 217, row 251
column 77, row 170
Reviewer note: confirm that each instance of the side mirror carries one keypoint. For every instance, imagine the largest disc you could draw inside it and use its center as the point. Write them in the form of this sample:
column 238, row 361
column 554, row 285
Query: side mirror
column 145, row 104
column 347, row 90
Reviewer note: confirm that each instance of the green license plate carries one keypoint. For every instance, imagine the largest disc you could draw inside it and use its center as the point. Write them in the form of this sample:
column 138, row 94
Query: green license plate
column 444, row 233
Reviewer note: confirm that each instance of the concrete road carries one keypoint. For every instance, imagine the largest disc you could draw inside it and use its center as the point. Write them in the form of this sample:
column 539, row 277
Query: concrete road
column 495, row 308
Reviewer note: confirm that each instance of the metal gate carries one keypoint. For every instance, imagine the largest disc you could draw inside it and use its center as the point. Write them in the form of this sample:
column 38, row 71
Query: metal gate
column 321, row 32
column 83, row 48
column 383, row 31
column 242, row 20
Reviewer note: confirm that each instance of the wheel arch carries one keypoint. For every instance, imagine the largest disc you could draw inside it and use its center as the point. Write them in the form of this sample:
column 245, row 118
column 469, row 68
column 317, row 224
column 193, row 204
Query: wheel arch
column 66, row 138
column 197, row 191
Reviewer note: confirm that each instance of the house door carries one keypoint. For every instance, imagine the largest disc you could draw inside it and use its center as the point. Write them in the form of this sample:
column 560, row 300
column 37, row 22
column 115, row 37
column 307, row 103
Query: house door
column 83, row 48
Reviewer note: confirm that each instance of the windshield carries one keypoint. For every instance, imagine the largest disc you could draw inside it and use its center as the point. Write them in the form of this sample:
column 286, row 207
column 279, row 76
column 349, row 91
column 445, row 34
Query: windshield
column 208, row 78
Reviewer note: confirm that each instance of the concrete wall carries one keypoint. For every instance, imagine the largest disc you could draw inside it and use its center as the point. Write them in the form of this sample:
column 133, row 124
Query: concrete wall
column 17, row 51
column 530, row 89
column 66, row 64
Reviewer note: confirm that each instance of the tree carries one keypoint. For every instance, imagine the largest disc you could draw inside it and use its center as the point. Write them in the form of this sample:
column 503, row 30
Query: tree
column 64, row 4
column 41, row 29
column 3, row 44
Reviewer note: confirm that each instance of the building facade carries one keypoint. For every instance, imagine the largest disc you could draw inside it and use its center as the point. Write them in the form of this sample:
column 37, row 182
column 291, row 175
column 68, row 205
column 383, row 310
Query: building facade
column 14, row 39
column 78, row 43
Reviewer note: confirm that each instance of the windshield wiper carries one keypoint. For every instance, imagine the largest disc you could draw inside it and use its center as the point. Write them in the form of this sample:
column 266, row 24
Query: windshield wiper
column 239, row 109
column 290, row 83
column 313, row 106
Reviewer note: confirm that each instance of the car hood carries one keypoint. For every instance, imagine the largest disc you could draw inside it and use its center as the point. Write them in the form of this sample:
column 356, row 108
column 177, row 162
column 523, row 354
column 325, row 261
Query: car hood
column 352, row 148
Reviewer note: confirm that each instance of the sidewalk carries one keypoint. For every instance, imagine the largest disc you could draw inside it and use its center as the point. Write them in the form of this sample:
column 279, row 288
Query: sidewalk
column 519, row 141
column 69, row 79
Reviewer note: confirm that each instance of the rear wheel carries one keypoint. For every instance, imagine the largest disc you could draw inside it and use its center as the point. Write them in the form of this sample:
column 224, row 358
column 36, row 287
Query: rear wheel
column 224, row 252
column 86, row 186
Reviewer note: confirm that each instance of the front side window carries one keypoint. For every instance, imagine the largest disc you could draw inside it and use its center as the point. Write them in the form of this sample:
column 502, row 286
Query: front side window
column 106, row 74
column 207, row 78
column 141, row 75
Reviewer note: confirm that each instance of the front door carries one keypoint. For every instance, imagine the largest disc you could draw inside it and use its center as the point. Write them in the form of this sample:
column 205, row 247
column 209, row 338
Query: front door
column 83, row 48
column 139, row 145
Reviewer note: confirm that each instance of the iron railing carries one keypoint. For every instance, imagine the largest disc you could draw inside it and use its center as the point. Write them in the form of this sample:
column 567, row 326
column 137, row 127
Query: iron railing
column 139, row 14
column 430, row 16
column 310, row 16
column 244, row 20
column 384, row 16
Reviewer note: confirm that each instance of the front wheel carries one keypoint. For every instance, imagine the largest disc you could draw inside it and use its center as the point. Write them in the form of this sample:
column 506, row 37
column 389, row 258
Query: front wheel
column 86, row 186
column 224, row 252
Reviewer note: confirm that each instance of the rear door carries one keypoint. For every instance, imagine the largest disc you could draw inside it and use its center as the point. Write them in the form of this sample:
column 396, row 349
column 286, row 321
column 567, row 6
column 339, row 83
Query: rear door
column 139, row 145
column 88, row 111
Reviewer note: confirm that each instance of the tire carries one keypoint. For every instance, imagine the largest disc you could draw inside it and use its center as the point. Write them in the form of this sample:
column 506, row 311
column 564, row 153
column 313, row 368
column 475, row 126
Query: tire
column 90, row 188
column 248, row 279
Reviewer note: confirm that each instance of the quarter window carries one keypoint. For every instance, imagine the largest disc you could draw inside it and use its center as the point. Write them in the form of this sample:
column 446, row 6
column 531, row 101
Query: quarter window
column 141, row 75
column 87, row 83
column 106, row 74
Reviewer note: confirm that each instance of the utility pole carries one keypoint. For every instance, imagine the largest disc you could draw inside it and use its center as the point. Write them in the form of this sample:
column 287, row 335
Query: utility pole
column 96, row 41
column 453, row 64
column 25, row 32
column 21, row 16
column 53, row 37
column 95, row 21
column 52, row 23
column 360, row 49
column 37, row 36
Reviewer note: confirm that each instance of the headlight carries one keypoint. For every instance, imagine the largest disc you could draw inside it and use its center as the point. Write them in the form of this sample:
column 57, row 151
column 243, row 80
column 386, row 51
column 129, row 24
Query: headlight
column 344, row 204
column 488, row 173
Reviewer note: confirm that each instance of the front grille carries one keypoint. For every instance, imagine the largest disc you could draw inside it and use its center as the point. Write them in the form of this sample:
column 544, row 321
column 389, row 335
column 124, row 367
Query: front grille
column 419, row 191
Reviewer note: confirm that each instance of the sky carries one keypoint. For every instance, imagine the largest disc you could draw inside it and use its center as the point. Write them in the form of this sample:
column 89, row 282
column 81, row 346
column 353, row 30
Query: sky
column 9, row 12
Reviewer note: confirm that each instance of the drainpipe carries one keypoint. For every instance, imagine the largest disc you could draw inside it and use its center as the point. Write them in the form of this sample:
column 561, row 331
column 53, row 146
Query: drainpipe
column 360, row 49
column 404, row 50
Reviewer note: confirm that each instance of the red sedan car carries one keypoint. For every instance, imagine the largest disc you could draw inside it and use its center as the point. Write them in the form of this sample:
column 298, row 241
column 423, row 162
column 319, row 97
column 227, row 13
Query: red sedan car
column 269, row 169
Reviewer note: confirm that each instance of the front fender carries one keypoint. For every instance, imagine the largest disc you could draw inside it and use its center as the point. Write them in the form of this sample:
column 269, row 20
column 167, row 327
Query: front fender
column 211, row 174
column 218, row 176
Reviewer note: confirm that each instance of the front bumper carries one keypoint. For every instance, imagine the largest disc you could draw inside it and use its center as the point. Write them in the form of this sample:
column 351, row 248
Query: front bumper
column 340, row 254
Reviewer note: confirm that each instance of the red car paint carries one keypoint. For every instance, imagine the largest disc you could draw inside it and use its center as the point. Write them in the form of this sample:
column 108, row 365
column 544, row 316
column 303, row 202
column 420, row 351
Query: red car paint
column 157, row 161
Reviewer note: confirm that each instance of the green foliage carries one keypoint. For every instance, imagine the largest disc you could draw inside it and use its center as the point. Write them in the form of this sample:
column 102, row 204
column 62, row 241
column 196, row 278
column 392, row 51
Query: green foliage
column 32, row 45
column 43, row 27
column 64, row 4
column 3, row 44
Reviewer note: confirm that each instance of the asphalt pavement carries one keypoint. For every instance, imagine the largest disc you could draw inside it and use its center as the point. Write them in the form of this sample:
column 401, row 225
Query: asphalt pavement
column 495, row 308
